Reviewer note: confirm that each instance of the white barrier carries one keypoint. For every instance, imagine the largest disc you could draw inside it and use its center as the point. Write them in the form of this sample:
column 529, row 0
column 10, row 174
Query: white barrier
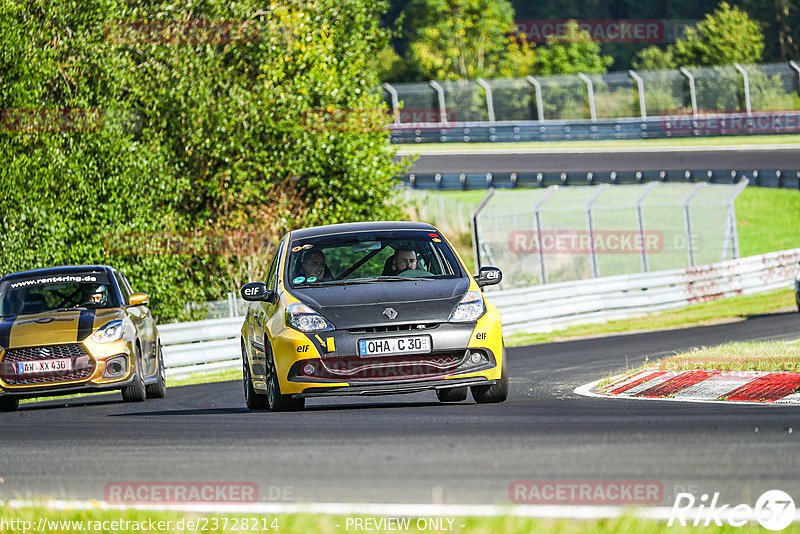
column 214, row 344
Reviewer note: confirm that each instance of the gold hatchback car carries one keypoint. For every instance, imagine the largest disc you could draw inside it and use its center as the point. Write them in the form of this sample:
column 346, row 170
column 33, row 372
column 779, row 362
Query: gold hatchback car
column 370, row 309
column 76, row 329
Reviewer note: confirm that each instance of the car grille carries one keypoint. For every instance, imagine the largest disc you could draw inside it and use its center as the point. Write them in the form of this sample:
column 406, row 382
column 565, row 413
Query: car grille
column 82, row 364
column 415, row 327
column 390, row 368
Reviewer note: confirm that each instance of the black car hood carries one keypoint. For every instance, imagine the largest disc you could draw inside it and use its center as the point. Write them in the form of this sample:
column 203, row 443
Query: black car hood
column 362, row 305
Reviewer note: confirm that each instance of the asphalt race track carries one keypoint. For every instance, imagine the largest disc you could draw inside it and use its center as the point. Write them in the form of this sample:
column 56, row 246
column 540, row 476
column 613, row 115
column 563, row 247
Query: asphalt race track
column 412, row 449
column 784, row 157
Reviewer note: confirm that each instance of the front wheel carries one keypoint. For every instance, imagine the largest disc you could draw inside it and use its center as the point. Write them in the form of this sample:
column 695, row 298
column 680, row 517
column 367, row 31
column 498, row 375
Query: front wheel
column 136, row 391
column 253, row 400
column 497, row 392
column 277, row 401
column 159, row 389
column 8, row 404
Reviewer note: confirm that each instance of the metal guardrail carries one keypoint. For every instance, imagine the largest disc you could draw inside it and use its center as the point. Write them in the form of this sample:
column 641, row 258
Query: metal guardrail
column 763, row 123
column 214, row 344
column 778, row 178
column 565, row 304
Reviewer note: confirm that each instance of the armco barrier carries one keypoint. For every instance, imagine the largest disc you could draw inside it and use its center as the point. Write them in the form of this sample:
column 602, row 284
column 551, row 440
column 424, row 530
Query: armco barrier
column 761, row 123
column 778, row 178
column 214, row 344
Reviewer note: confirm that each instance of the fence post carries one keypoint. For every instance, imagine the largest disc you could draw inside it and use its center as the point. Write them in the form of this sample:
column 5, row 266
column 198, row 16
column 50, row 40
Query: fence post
column 590, row 225
column 640, row 216
column 539, row 105
column 489, row 100
column 395, row 102
column 688, row 218
column 692, row 91
column 746, row 80
column 473, row 221
column 640, row 86
column 442, row 109
column 744, row 182
column 796, row 67
column 537, row 214
column 590, row 92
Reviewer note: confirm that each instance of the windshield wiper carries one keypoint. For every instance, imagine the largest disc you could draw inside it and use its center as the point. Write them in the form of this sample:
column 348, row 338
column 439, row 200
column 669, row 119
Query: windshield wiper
column 70, row 309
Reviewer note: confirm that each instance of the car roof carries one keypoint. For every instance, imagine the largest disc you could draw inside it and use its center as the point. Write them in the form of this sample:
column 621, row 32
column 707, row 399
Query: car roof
column 374, row 226
column 49, row 271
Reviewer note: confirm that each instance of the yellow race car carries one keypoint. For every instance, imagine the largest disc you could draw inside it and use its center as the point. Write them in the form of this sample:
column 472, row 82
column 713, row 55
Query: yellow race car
column 370, row 309
column 76, row 329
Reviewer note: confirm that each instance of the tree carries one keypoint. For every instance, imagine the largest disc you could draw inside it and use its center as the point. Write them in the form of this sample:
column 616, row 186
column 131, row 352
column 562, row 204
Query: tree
column 463, row 39
column 269, row 124
column 571, row 53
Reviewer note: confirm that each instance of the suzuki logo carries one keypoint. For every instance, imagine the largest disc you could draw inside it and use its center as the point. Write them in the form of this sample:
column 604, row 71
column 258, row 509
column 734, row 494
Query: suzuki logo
column 390, row 313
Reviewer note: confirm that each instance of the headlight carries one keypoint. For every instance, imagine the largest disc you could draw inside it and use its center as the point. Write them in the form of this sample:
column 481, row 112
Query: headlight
column 111, row 331
column 303, row 318
column 471, row 308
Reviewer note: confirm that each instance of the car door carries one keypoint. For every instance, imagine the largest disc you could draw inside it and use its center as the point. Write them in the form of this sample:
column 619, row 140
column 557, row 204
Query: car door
column 261, row 312
column 145, row 326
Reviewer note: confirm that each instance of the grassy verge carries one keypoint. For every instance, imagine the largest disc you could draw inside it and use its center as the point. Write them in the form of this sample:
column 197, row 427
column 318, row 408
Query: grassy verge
column 636, row 143
column 734, row 308
column 741, row 356
column 144, row 521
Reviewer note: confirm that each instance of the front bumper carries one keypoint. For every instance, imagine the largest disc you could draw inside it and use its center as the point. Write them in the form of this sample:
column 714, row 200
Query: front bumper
column 64, row 390
column 393, row 388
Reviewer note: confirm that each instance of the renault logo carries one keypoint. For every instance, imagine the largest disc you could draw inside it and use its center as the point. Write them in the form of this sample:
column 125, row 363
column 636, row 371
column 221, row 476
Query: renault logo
column 390, row 313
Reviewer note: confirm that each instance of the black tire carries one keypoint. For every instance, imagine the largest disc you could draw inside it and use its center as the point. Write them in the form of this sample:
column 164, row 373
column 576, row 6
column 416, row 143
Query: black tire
column 452, row 394
column 253, row 400
column 8, row 404
column 277, row 401
column 136, row 391
column 497, row 392
column 158, row 390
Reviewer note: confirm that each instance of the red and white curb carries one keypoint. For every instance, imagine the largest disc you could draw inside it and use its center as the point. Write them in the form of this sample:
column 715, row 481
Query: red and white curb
column 701, row 385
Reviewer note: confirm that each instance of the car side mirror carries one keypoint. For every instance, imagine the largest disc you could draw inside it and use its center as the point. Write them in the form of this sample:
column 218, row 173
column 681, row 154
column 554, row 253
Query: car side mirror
column 489, row 276
column 138, row 299
column 257, row 291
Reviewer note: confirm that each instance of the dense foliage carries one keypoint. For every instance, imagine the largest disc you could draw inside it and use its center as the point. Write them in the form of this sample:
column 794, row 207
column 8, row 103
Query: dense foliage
column 180, row 155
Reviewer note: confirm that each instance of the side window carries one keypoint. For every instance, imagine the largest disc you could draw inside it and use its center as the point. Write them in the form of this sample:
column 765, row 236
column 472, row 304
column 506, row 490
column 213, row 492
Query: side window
column 272, row 274
column 124, row 287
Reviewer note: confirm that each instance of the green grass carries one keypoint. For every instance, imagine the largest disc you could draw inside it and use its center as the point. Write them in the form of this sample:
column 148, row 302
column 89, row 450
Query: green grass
column 767, row 220
column 636, row 143
column 773, row 356
column 140, row 521
column 734, row 308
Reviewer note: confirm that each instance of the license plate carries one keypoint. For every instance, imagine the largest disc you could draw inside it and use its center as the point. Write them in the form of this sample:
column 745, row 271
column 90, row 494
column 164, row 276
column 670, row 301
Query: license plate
column 394, row 345
column 44, row 366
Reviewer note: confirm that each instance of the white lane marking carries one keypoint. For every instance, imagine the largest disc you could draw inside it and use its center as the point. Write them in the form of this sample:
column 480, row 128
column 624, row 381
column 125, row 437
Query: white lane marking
column 556, row 511
column 595, row 150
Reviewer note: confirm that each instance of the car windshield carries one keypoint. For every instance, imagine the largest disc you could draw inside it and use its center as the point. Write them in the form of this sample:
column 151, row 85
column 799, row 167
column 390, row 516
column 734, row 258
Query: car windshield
column 36, row 294
column 367, row 257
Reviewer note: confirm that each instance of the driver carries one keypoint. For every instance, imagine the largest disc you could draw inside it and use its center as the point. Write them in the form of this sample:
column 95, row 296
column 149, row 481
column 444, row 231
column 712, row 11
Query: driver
column 98, row 296
column 314, row 265
column 404, row 259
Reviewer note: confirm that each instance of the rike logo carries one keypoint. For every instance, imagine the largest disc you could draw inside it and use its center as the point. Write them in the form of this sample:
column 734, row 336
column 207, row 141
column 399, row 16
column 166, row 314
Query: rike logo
column 774, row 510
